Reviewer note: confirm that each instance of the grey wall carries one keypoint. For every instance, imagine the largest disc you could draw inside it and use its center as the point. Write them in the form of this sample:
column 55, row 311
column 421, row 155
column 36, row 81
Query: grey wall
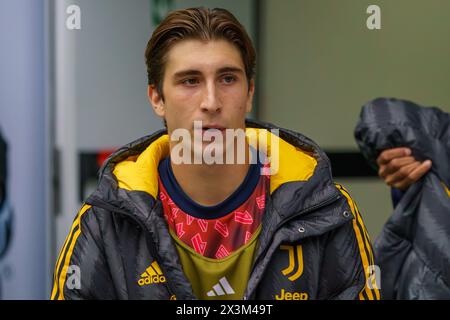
column 25, row 270
column 110, row 80
column 320, row 64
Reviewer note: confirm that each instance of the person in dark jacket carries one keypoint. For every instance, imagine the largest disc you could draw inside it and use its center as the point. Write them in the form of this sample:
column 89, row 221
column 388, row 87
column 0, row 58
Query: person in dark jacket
column 412, row 249
column 157, row 227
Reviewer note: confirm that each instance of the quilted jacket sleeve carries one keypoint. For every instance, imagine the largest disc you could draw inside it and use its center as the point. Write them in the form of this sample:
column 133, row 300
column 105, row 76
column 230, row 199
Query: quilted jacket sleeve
column 81, row 271
column 349, row 271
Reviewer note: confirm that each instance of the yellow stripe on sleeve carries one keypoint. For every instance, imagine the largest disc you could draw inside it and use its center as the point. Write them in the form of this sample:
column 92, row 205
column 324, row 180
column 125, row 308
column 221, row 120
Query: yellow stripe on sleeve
column 364, row 246
column 67, row 250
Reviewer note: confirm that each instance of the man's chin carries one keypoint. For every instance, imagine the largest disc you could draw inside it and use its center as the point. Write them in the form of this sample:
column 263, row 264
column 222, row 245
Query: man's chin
column 214, row 153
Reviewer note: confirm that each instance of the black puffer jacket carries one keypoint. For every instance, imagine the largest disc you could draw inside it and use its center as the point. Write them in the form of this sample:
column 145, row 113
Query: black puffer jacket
column 413, row 250
column 313, row 243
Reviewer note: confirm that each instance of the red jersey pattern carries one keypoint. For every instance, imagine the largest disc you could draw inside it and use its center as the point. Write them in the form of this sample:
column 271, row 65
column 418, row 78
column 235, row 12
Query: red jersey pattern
column 217, row 238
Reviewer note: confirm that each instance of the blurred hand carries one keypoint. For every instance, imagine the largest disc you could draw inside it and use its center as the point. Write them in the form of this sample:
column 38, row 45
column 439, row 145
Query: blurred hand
column 399, row 169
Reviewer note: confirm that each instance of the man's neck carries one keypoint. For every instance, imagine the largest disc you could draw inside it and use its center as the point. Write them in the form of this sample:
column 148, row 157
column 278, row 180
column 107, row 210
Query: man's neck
column 209, row 185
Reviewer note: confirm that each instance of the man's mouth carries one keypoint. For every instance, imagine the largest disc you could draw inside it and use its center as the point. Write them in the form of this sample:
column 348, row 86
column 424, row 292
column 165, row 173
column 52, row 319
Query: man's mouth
column 213, row 127
column 208, row 129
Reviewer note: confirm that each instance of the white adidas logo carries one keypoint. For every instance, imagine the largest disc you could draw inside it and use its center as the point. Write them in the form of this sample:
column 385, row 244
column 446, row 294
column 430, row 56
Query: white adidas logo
column 221, row 289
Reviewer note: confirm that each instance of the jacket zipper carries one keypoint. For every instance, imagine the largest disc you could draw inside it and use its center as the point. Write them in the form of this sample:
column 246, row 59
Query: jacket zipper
column 151, row 245
column 262, row 254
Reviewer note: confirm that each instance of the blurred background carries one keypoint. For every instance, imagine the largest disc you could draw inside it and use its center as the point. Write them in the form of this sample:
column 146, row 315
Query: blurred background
column 73, row 89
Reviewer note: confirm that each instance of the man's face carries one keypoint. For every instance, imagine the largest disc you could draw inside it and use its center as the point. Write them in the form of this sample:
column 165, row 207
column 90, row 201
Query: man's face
column 204, row 81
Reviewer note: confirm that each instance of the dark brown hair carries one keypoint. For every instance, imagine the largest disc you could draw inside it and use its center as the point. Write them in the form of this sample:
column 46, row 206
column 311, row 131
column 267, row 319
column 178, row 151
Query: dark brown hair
column 196, row 23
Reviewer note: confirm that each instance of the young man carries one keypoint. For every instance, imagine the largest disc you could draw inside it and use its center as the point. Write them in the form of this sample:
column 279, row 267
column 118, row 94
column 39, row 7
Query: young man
column 161, row 227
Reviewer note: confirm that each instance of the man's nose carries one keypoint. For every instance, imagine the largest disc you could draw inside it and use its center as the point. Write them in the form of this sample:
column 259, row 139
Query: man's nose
column 210, row 101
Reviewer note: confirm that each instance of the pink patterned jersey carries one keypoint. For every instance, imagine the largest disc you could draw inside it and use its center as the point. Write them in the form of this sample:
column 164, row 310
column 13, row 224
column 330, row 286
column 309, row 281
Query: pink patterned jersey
column 217, row 238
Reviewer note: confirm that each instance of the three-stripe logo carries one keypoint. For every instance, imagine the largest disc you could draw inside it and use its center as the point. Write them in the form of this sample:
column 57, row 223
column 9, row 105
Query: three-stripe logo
column 221, row 289
column 152, row 274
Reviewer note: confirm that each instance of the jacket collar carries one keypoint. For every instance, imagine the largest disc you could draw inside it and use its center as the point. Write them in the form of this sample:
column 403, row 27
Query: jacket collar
column 302, row 181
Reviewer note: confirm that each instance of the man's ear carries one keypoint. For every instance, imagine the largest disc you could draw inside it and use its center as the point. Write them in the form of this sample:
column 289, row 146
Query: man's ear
column 156, row 100
column 251, row 92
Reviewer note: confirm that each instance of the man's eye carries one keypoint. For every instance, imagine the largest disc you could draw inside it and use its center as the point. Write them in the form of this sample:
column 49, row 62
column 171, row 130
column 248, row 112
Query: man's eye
column 229, row 79
column 190, row 81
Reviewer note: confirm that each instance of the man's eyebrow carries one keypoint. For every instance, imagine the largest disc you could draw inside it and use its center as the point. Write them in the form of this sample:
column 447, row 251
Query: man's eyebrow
column 230, row 69
column 194, row 72
column 184, row 73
